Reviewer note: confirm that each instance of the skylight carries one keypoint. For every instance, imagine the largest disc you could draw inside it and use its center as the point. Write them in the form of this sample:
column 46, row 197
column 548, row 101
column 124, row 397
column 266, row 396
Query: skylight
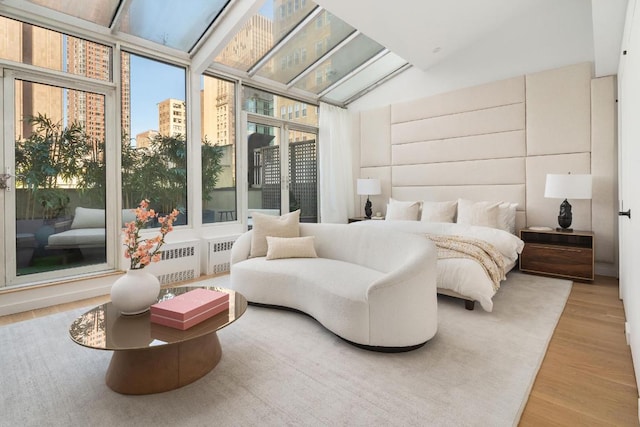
column 171, row 23
column 295, row 44
column 313, row 41
column 100, row 12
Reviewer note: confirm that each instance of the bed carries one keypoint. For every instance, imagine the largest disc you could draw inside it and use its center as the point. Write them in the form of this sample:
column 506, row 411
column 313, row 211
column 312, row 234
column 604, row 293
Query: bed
column 475, row 223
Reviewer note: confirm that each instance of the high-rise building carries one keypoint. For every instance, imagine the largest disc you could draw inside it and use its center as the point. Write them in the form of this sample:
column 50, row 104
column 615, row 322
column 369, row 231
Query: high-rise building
column 143, row 139
column 125, row 94
column 249, row 44
column 217, row 100
column 218, row 97
column 93, row 60
column 172, row 117
column 41, row 47
column 218, row 111
column 287, row 13
column 37, row 46
column 86, row 108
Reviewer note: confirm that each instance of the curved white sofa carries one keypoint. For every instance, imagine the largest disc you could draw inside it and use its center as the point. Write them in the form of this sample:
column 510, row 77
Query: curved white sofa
column 374, row 288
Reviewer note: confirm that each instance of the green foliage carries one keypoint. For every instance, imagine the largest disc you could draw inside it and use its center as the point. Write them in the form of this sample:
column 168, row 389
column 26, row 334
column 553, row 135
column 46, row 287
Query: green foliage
column 211, row 167
column 49, row 157
column 54, row 157
column 92, row 179
column 157, row 173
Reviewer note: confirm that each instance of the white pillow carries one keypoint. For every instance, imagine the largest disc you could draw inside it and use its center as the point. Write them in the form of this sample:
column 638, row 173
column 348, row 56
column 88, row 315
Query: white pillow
column 478, row 213
column 397, row 210
column 291, row 247
column 507, row 217
column 88, row 218
column 287, row 225
column 438, row 211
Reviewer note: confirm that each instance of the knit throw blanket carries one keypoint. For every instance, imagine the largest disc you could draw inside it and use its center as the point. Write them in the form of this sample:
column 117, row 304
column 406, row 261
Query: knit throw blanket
column 464, row 247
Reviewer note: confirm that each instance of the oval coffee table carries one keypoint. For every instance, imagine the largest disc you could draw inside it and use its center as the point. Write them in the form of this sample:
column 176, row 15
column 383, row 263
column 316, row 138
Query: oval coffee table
column 151, row 358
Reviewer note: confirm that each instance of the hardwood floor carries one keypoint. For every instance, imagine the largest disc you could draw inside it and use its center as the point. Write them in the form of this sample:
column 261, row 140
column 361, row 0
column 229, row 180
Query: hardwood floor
column 586, row 377
column 28, row 315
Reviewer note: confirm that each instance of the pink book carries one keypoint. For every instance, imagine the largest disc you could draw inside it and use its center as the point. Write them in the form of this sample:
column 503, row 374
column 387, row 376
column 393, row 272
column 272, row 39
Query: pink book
column 190, row 308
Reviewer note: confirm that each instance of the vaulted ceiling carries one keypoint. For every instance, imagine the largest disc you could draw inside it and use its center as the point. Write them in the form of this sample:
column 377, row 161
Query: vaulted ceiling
column 455, row 44
column 337, row 50
column 428, row 32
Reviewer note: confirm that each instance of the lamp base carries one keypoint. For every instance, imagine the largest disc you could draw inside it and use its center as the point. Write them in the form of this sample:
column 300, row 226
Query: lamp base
column 367, row 209
column 565, row 217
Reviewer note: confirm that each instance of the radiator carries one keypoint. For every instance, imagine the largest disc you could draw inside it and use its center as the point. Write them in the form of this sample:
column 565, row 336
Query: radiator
column 180, row 261
column 218, row 254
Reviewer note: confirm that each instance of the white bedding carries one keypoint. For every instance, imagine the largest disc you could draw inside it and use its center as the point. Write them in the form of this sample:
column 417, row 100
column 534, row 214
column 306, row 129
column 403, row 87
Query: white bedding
column 465, row 277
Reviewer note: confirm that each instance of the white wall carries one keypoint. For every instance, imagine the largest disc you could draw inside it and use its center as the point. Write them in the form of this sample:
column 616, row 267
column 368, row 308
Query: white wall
column 508, row 51
column 629, row 135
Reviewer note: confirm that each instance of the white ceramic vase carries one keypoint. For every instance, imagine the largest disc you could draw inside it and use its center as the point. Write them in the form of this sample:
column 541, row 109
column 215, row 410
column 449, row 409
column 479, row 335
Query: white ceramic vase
column 135, row 292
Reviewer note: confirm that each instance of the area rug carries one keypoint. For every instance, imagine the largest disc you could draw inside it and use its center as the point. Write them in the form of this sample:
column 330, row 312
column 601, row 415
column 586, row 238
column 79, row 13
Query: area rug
column 283, row 368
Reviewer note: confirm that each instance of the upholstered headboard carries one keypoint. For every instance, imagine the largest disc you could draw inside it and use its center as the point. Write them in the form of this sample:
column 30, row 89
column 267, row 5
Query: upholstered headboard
column 466, row 144
column 496, row 142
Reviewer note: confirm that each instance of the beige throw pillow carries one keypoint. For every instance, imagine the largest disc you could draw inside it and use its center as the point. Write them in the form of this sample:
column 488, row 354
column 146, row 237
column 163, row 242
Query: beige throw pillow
column 287, row 225
column 291, row 247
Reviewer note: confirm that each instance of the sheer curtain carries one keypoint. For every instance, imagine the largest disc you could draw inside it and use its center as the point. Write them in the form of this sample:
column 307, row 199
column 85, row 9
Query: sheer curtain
column 336, row 164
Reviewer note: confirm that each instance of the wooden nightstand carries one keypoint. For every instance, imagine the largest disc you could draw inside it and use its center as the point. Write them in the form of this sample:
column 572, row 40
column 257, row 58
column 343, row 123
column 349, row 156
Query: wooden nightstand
column 558, row 253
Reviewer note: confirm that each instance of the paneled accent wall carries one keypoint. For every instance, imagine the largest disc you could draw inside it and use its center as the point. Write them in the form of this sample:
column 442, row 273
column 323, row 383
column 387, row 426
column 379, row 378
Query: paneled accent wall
column 498, row 141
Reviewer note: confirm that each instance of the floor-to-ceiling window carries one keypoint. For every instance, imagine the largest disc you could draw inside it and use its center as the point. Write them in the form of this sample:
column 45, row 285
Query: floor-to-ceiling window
column 75, row 157
column 55, row 129
column 218, row 150
column 154, row 141
column 60, row 179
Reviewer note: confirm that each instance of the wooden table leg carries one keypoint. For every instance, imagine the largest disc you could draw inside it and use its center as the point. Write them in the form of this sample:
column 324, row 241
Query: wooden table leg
column 163, row 367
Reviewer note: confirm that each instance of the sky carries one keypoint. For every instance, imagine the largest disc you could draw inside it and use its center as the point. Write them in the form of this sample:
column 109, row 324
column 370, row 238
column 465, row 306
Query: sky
column 154, row 81
column 267, row 9
column 151, row 83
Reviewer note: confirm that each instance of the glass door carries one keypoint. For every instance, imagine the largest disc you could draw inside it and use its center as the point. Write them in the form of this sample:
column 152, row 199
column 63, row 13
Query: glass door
column 282, row 154
column 282, row 170
column 264, row 171
column 54, row 151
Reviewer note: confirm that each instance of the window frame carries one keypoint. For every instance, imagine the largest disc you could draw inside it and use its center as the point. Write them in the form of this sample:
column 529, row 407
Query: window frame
column 26, row 72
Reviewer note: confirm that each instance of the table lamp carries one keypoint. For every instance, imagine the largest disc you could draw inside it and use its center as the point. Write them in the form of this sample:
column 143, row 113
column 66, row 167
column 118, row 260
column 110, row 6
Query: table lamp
column 567, row 186
column 368, row 187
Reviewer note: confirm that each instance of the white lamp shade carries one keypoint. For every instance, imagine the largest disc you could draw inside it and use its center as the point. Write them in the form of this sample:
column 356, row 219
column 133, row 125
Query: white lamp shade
column 368, row 186
column 568, row 186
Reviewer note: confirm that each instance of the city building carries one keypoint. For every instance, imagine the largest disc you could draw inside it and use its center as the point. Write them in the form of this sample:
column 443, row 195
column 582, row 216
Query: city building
column 172, row 117
column 32, row 45
column 144, row 139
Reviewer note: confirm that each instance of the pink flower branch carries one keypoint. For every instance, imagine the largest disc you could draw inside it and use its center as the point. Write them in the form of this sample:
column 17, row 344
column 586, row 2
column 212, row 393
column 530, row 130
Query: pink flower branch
column 143, row 252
